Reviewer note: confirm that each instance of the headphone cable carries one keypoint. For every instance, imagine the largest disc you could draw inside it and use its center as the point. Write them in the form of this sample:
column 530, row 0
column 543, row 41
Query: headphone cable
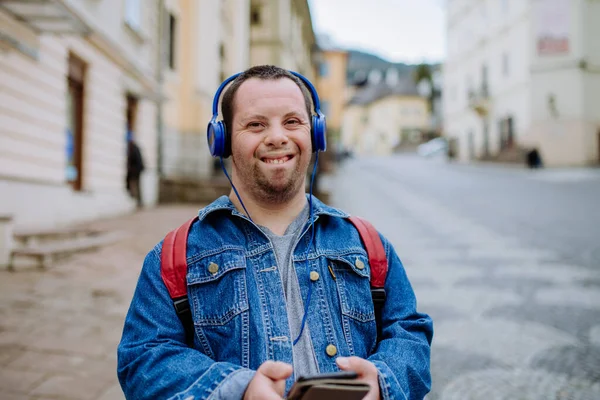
column 310, row 243
column 312, row 237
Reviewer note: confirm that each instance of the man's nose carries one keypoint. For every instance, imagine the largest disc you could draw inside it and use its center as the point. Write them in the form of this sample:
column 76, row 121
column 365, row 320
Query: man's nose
column 276, row 136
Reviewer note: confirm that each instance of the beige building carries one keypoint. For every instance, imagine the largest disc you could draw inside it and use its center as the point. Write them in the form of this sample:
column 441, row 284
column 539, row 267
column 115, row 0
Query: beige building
column 523, row 74
column 75, row 77
column 78, row 75
column 382, row 116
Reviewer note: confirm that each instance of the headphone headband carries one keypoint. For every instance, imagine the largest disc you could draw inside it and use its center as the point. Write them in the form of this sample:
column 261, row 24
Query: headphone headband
column 215, row 107
column 307, row 83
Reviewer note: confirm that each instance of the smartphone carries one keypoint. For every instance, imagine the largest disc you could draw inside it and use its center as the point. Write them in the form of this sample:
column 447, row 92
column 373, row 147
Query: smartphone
column 329, row 375
column 329, row 386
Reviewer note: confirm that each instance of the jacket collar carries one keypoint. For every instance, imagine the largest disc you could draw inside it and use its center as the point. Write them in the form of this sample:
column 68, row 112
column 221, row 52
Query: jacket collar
column 223, row 203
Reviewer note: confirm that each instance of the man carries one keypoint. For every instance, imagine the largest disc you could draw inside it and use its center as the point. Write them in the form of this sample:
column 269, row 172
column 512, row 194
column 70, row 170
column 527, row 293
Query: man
column 253, row 257
column 135, row 167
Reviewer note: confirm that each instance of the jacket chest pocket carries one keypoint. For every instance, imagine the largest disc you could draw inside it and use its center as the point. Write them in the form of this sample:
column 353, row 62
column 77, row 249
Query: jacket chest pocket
column 217, row 288
column 353, row 284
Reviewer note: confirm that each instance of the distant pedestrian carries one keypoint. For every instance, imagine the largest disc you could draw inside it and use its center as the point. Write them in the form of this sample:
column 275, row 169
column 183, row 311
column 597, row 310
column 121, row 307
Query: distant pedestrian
column 534, row 160
column 135, row 167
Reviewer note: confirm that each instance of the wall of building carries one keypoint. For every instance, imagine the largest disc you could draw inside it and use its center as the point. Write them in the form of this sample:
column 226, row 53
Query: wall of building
column 376, row 128
column 212, row 45
column 284, row 36
column 565, row 128
column 33, row 140
column 353, row 126
column 494, row 34
column 551, row 97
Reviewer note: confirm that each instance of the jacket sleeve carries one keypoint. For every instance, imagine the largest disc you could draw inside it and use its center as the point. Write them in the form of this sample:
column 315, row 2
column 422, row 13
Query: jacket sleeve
column 402, row 356
column 154, row 361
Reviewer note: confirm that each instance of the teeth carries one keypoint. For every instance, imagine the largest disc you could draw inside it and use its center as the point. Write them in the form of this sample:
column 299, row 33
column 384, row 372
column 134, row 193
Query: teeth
column 276, row 161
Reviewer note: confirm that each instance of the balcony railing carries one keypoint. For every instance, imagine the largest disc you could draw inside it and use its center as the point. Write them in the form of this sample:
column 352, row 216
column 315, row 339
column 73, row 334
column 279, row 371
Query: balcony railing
column 479, row 100
column 46, row 16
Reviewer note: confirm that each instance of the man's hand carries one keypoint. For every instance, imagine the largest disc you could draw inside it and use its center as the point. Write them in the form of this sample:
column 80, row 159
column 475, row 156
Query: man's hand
column 269, row 381
column 367, row 372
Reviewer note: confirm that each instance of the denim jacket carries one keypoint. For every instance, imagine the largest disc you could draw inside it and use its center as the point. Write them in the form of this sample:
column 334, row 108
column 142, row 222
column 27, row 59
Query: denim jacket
column 239, row 312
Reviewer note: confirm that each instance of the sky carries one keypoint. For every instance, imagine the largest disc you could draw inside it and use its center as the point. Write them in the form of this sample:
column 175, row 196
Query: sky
column 409, row 31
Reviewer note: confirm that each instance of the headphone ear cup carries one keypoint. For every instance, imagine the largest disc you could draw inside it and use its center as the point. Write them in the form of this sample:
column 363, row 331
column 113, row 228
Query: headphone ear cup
column 215, row 134
column 319, row 133
column 226, row 140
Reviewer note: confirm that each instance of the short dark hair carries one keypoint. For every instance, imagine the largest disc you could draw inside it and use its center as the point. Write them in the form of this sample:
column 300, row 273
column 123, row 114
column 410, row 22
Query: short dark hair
column 265, row 72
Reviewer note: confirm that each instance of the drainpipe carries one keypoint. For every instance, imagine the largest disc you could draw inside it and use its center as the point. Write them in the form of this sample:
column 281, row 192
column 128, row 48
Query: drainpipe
column 6, row 240
column 159, row 81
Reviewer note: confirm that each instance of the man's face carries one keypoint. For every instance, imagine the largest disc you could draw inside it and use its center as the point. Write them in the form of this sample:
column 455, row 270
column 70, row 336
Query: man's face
column 270, row 138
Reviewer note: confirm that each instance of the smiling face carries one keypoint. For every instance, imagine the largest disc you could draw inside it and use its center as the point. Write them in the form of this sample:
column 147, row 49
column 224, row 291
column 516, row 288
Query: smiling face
column 270, row 139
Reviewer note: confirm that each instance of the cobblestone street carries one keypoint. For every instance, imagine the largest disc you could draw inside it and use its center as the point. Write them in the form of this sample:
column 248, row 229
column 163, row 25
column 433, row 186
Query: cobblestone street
column 59, row 328
column 512, row 320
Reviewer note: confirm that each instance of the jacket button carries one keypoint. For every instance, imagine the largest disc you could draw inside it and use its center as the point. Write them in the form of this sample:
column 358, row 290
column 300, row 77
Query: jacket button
column 359, row 264
column 314, row 276
column 331, row 350
column 213, row 268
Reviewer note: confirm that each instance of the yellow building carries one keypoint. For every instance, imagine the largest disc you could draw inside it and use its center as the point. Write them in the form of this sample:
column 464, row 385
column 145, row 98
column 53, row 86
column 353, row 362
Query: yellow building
column 206, row 41
column 331, row 85
column 281, row 33
column 209, row 41
column 75, row 77
column 382, row 117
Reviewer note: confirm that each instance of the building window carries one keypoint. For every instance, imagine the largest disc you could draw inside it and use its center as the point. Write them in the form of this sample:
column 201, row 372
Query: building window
column 323, row 69
column 507, row 133
column 255, row 15
column 133, row 13
column 505, row 65
column 485, row 89
column 74, row 128
column 172, row 41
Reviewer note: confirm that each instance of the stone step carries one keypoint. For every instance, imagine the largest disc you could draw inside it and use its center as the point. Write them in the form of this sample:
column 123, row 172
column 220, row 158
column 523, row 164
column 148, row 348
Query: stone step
column 45, row 253
column 28, row 237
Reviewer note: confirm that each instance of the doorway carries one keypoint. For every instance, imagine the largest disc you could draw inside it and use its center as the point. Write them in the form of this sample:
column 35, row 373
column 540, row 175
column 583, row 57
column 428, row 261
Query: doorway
column 598, row 144
column 130, row 131
column 486, row 138
column 75, row 111
column 471, row 144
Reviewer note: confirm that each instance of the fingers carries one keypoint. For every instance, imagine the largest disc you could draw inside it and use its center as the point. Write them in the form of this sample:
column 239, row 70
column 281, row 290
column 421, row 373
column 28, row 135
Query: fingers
column 276, row 370
column 359, row 365
column 279, row 387
column 366, row 370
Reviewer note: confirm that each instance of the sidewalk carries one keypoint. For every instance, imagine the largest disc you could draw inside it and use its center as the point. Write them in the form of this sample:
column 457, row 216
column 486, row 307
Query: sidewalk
column 59, row 328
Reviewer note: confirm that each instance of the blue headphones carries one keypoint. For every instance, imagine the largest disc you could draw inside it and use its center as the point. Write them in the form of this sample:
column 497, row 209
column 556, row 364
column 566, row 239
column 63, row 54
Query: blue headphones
column 219, row 141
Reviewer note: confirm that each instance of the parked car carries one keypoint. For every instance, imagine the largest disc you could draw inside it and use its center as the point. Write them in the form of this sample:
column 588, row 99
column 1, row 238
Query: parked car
column 437, row 147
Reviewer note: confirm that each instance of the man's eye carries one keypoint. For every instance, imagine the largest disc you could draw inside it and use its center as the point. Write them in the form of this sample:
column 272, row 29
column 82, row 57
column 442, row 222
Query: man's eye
column 254, row 125
column 293, row 121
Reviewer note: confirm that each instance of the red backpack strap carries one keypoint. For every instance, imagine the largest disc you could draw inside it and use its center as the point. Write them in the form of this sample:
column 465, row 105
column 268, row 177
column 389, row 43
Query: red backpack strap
column 173, row 270
column 375, row 250
column 379, row 266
